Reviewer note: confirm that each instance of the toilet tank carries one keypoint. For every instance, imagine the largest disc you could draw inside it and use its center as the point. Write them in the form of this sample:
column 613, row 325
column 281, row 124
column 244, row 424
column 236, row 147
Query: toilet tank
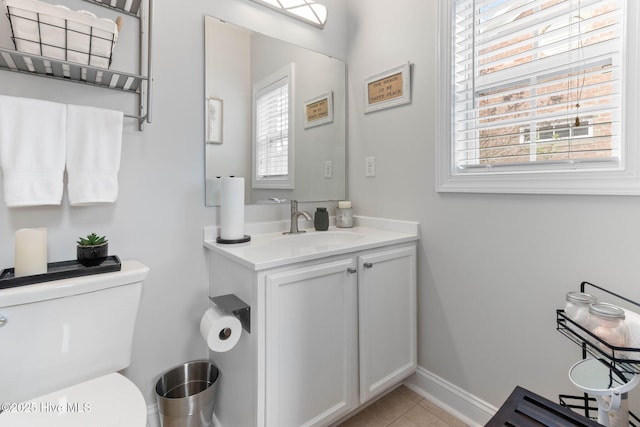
column 56, row 334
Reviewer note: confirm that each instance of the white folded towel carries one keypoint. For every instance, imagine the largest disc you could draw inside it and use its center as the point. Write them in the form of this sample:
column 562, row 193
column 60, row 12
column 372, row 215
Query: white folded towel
column 32, row 151
column 94, row 140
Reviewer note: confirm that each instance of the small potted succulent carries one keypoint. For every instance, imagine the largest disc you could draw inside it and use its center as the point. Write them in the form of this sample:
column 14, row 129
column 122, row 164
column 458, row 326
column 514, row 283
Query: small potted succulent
column 92, row 250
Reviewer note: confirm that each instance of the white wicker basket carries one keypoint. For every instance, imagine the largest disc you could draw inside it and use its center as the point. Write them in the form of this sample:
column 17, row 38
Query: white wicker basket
column 56, row 32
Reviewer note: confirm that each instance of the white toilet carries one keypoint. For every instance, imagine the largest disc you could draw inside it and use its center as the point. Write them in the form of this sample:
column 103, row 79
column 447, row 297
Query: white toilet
column 61, row 345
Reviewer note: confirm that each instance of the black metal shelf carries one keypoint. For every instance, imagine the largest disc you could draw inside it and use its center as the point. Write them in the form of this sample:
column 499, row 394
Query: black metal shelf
column 624, row 359
column 589, row 407
column 621, row 359
column 58, row 271
column 614, row 357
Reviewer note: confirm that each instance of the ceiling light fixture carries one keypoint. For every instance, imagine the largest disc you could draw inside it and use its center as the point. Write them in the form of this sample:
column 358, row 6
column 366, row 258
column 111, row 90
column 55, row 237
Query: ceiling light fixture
column 305, row 10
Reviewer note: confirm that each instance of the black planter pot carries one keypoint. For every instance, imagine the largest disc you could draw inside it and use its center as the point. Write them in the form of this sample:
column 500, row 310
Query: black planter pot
column 90, row 256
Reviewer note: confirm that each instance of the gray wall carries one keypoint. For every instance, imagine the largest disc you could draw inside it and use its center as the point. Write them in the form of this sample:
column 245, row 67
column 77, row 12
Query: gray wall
column 160, row 212
column 492, row 268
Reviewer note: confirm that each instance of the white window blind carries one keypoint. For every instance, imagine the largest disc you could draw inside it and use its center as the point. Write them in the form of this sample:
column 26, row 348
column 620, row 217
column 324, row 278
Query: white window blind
column 272, row 131
column 536, row 82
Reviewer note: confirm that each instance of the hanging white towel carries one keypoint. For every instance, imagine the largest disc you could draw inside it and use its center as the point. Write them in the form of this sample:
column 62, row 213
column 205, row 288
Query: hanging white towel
column 32, row 151
column 94, row 140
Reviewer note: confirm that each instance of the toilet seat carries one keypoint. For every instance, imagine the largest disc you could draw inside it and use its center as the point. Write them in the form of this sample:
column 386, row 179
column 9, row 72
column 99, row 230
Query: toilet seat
column 108, row 401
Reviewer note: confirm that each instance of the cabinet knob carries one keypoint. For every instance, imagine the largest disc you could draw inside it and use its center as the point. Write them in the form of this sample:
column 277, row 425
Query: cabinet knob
column 367, row 265
column 351, row 270
column 3, row 321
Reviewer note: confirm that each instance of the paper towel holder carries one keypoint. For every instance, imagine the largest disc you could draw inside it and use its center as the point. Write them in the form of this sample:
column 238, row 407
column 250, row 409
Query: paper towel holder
column 231, row 304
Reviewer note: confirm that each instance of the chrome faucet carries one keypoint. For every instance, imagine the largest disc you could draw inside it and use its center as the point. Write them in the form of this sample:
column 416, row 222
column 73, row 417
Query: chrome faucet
column 295, row 214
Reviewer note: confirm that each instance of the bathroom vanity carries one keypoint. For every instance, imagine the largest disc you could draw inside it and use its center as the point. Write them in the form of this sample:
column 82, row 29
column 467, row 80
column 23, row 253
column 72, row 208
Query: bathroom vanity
column 333, row 321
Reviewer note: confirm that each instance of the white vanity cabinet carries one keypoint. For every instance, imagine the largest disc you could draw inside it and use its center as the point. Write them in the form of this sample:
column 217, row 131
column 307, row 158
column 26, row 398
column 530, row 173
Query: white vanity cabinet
column 328, row 332
column 311, row 345
column 322, row 330
column 387, row 318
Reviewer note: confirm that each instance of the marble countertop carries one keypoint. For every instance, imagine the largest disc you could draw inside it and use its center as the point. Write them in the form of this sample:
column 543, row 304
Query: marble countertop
column 274, row 249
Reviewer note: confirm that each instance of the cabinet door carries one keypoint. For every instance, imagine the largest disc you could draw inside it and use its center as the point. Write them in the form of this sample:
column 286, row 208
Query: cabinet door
column 388, row 324
column 311, row 344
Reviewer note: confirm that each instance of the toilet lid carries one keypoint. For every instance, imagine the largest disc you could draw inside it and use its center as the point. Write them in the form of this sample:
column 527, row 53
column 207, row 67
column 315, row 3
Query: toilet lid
column 108, row 401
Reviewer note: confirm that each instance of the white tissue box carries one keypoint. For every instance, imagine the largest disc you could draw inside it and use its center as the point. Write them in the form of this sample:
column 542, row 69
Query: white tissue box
column 57, row 32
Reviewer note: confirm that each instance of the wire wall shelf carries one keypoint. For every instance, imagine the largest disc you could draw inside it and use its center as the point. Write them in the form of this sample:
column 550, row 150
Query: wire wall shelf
column 65, row 70
column 99, row 76
column 121, row 6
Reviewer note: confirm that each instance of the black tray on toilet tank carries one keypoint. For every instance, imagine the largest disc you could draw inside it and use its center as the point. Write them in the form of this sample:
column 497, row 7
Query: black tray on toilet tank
column 59, row 270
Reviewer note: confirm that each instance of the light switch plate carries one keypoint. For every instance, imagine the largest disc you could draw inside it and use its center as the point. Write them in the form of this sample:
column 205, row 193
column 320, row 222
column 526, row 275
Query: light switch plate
column 328, row 169
column 370, row 166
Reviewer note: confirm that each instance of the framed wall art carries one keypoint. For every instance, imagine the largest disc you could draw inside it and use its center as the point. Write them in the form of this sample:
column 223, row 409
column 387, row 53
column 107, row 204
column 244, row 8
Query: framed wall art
column 319, row 110
column 214, row 120
column 388, row 89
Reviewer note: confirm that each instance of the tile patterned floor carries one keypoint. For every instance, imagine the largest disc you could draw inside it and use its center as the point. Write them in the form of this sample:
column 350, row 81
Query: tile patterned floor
column 402, row 408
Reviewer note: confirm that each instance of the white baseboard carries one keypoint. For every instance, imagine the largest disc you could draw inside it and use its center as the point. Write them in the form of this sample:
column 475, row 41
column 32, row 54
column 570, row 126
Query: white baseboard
column 468, row 408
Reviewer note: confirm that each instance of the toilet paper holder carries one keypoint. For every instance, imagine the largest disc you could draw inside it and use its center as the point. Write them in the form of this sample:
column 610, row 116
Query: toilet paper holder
column 231, row 304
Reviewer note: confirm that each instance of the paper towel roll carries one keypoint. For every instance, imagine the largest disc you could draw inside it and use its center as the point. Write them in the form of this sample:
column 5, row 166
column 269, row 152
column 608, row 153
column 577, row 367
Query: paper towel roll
column 220, row 330
column 232, row 208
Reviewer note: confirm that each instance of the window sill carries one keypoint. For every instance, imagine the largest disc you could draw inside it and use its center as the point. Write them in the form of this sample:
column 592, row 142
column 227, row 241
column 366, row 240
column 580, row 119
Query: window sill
column 579, row 183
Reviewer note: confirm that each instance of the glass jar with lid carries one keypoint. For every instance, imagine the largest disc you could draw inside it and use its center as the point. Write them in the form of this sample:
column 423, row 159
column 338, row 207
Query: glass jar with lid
column 607, row 322
column 344, row 214
column 577, row 307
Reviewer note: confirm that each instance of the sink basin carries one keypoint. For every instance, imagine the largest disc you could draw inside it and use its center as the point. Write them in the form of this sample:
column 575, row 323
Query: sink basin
column 315, row 239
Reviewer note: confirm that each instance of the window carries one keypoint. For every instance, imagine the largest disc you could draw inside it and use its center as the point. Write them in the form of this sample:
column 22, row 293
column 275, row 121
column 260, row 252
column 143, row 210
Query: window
column 538, row 92
column 273, row 141
column 552, row 138
column 273, row 131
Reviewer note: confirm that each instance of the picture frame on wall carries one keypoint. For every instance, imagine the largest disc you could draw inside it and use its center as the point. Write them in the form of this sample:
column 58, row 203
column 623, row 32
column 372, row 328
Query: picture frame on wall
column 214, row 114
column 319, row 110
column 388, row 89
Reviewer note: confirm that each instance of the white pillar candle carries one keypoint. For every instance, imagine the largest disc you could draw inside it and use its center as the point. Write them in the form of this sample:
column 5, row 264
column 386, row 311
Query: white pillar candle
column 31, row 252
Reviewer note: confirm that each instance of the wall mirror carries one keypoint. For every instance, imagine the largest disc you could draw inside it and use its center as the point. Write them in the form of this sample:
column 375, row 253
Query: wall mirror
column 275, row 114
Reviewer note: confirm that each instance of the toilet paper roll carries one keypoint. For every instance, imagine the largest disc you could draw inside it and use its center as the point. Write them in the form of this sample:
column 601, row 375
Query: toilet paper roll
column 232, row 208
column 220, row 330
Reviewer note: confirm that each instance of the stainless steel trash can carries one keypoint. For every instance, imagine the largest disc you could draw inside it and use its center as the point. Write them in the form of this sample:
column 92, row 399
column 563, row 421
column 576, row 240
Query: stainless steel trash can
column 185, row 395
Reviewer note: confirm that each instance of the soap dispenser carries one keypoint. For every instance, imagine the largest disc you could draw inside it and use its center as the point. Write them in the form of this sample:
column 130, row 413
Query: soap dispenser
column 321, row 219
